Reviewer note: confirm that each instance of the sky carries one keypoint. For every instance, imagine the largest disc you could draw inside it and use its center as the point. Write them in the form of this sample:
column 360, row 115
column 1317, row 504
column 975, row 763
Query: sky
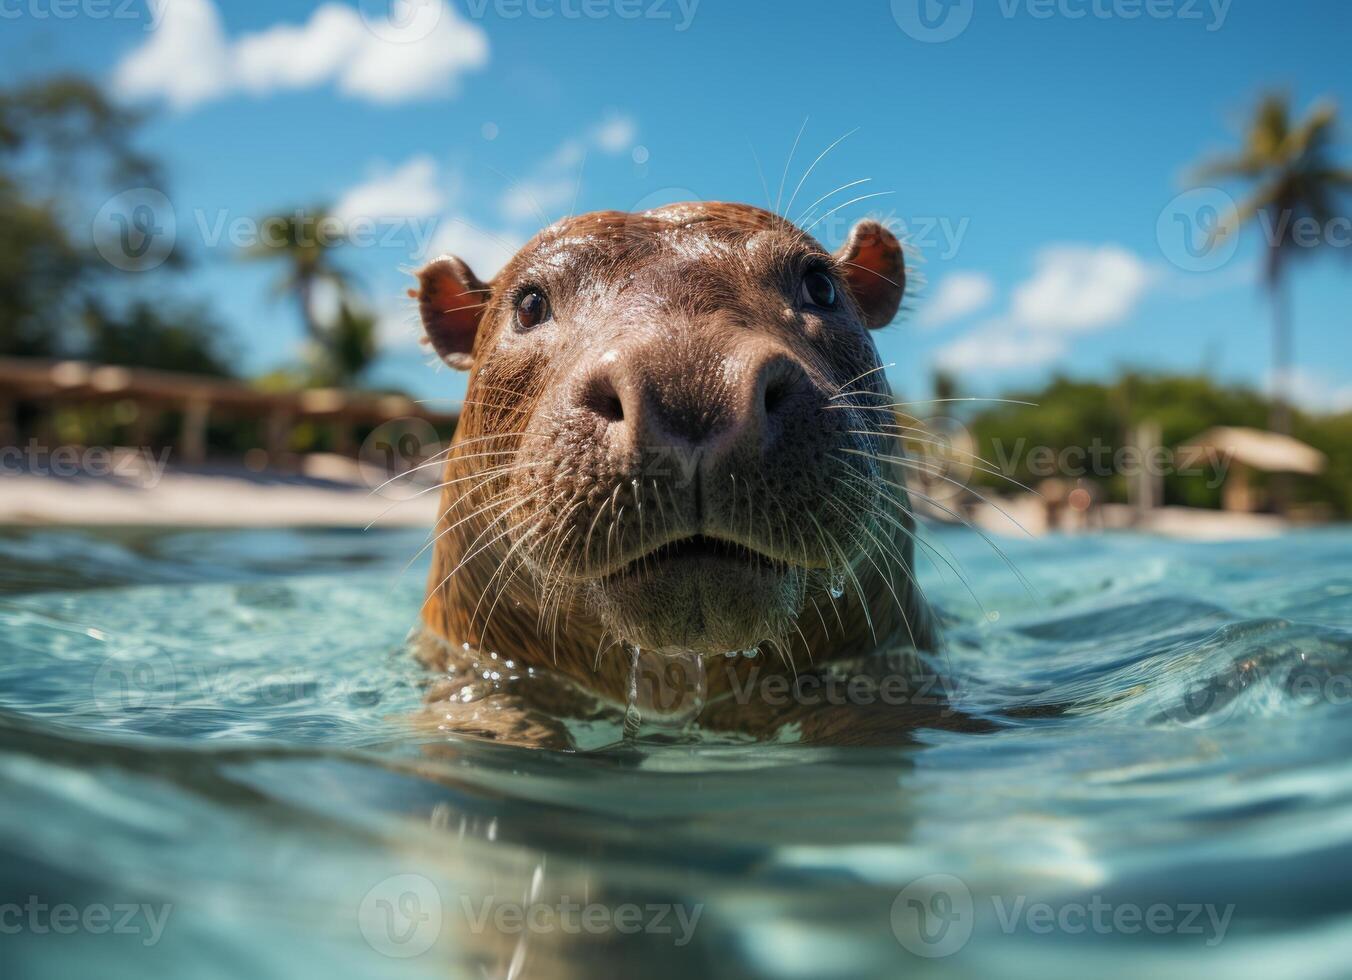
column 1037, row 156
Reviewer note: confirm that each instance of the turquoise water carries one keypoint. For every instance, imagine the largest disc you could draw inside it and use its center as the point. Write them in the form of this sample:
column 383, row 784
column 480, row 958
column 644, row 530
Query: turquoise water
column 206, row 735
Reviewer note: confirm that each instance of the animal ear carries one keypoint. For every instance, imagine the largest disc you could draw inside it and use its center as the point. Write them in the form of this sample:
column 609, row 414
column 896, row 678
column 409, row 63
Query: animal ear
column 451, row 300
column 875, row 271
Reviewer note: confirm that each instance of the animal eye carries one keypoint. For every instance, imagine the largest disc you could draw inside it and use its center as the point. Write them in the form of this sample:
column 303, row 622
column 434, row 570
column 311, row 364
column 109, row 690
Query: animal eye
column 818, row 289
column 532, row 309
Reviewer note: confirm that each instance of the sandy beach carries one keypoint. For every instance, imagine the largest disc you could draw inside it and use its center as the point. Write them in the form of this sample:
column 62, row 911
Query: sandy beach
column 328, row 492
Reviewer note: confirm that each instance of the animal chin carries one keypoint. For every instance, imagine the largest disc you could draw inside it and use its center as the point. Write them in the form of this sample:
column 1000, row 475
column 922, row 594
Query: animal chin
column 699, row 593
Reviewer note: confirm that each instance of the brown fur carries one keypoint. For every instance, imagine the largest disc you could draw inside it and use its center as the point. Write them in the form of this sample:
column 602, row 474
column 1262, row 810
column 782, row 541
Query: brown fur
column 675, row 321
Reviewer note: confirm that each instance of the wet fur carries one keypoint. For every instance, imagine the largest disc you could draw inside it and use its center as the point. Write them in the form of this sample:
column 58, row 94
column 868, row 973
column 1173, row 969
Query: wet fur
column 531, row 507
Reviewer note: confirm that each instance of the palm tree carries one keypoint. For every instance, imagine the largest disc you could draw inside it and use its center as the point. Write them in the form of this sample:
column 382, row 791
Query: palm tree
column 305, row 241
column 1294, row 181
column 352, row 342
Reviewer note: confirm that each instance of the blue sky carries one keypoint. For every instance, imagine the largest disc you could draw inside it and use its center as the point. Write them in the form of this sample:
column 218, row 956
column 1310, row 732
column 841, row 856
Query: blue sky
column 1033, row 157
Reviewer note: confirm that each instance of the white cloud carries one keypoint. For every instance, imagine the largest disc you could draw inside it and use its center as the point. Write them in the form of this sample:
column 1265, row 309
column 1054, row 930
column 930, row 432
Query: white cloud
column 1314, row 391
column 189, row 59
column 186, row 61
column 1074, row 289
column 483, row 250
column 960, row 294
column 413, row 190
column 553, row 186
column 996, row 347
column 1080, row 288
column 536, row 199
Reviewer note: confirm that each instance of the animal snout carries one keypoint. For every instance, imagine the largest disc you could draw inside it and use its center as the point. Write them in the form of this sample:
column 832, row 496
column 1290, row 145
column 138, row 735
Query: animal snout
column 656, row 400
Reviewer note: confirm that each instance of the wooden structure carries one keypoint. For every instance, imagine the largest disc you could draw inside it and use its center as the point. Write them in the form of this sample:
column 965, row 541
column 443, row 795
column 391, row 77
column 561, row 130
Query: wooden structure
column 1248, row 450
column 196, row 399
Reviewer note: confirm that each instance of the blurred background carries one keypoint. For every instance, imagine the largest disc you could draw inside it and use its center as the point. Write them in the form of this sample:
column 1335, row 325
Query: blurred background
column 1128, row 227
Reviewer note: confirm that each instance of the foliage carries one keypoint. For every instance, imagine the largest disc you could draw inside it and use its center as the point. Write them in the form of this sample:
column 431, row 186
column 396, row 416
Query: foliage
column 1077, row 415
column 58, row 297
column 145, row 334
column 305, row 242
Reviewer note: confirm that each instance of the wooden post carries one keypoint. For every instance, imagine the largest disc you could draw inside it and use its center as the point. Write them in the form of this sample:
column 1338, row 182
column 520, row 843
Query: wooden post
column 9, row 433
column 143, row 426
column 1237, row 494
column 343, row 444
column 277, row 434
column 192, row 438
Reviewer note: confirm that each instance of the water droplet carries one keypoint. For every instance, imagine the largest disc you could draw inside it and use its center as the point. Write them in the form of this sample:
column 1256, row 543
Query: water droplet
column 633, row 719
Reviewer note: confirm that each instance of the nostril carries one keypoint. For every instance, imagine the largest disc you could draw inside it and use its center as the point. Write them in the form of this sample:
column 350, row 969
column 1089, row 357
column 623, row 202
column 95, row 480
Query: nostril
column 601, row 398
column 776, row 392
column 611, row 408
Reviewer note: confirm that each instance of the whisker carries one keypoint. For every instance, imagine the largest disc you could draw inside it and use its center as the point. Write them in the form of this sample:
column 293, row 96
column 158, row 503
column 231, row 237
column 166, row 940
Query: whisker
column 808, row 173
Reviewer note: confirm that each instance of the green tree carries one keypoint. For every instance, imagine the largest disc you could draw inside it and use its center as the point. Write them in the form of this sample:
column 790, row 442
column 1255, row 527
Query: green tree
column 58, row 136
column 168, row 336
column 352, row 344
column 1295, row 181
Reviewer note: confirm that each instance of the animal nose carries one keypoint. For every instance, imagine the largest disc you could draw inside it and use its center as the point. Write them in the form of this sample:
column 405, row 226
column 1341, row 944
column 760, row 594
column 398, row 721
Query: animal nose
column 716, row 405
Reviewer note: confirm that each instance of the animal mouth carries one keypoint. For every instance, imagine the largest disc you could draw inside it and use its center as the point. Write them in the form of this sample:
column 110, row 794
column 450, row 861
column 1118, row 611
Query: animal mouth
column 699, row 549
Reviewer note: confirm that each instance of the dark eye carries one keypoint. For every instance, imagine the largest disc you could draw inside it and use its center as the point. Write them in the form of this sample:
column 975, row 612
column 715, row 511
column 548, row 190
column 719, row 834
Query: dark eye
column 532, row 309
column 818, row 289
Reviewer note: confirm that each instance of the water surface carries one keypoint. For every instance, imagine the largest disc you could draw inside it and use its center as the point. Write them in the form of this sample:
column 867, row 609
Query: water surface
column 208, row 734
